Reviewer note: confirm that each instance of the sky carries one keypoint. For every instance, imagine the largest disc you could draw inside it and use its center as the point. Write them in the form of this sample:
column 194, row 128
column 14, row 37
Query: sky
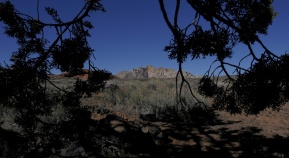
column 133, row 33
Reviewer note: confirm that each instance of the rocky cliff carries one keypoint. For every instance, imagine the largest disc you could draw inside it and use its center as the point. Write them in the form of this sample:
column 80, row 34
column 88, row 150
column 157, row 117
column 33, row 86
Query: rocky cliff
column 151, row 72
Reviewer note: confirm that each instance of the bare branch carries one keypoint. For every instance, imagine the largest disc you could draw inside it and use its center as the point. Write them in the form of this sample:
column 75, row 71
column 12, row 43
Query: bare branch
column 266, row 49
column 56, row 86
column 251, row 51
column 225, row 70
column 38, row 15
column 184, row 80
column 165, row 15
column 238, row 67
column 177, row 14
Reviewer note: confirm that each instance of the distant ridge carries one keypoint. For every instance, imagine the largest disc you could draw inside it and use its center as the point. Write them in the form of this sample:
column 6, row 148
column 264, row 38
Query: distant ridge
column 151, row 72
column 83, row 75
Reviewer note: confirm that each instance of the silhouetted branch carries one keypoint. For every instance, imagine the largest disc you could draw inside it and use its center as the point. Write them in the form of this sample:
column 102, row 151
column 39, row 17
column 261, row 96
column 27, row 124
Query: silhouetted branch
column 165, row 15
column 266, row 49
column 77, row 18
column 176, row 14
column 56, row 86
column 251, row 51
column 180, row 43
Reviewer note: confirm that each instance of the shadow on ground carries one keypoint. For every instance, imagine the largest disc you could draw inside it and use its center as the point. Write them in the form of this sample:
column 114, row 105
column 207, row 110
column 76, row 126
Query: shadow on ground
column 201, row 141
column 112, row 136
column 224, row 143
column 163, row 139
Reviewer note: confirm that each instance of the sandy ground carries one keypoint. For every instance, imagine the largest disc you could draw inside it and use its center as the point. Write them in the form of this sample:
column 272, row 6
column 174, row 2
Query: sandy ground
column 264, row 135
column 270, row 123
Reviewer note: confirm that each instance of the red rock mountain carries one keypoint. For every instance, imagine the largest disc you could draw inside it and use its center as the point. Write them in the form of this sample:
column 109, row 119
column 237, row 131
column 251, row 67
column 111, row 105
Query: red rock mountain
column 151, row 72
column 82, row 75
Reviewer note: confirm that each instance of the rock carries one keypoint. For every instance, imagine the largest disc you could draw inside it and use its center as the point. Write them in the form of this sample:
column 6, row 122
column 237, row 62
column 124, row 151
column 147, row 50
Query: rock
column 156, row 133
column 151, row 129
column 73, row 150
column 151, row 72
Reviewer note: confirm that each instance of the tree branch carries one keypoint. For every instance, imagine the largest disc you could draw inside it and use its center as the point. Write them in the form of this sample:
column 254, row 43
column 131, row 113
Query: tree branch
column 176, row 14
column 165, row 15
column 67, row 25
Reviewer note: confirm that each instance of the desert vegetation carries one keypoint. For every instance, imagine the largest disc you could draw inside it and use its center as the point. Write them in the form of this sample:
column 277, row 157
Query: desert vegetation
column 100, row 116
column 155, row 97
column 196, row 129
column 141, row 118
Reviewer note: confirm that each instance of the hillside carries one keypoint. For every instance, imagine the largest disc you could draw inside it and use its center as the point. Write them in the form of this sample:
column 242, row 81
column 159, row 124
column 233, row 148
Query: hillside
column 151, row 72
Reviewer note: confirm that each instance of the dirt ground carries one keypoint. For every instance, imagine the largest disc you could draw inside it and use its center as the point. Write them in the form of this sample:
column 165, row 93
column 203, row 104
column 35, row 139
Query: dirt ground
column 270, row 123
column 234, row 136
column 264, row 135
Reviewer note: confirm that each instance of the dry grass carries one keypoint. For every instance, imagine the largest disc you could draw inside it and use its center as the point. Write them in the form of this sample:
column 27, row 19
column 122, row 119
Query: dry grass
column 149, row 97
column 264, row 135
column 142, row 96
column 126, row 107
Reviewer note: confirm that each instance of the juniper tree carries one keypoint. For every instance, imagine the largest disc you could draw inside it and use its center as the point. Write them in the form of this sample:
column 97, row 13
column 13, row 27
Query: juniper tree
column 225, row 24
column 23, row 82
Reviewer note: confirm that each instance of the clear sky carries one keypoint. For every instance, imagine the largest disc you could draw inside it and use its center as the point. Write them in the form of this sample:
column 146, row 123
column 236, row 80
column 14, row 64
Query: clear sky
column 132, row 33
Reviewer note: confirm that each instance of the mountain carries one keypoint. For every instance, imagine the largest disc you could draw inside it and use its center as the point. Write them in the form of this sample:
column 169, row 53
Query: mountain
column 151, row 72
column 83, row 75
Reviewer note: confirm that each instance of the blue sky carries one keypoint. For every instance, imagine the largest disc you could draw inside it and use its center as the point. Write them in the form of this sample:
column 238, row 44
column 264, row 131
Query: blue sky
column 132, row 33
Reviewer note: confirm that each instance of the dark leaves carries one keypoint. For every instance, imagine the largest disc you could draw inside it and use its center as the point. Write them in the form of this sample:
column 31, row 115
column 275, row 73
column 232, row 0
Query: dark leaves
column 54, row 14
column 23, row 83
column 224, row 25
column 71, row 55
column 266, row 85
column 88, row 24
column 250, row 17
column 95, row 82
column 208, row 43
column 207, row 87
column 14, row 23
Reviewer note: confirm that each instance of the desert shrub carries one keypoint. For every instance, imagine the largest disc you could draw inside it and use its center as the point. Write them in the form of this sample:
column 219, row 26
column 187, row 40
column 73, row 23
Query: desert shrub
column 7, row 116
column 197, row 115
column 116, row 96
column 98, row 109
column 158, row 97
column 202, row 115
column 140, row 95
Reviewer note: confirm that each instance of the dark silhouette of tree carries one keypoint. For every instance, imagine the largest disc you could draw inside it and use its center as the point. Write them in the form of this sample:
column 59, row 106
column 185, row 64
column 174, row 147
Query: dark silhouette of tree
column 264, row 84
column 23, row 82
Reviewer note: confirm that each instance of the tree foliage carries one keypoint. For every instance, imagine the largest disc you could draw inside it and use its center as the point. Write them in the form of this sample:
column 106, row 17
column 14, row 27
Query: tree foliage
column 227, row 23
column 23, row 82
